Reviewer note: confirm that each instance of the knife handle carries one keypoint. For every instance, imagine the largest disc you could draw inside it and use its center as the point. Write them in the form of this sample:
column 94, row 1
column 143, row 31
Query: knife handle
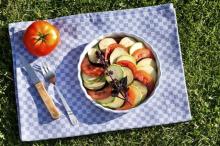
column 51, row 107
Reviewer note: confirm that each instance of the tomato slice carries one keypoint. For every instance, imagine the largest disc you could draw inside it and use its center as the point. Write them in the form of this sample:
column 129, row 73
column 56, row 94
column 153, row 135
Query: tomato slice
column 90, row 69
column 142, row 53
column 100, row 94
column 145, row 78
column 126, row 106
column 131, row 97
column 128, row 64
column 111, row 48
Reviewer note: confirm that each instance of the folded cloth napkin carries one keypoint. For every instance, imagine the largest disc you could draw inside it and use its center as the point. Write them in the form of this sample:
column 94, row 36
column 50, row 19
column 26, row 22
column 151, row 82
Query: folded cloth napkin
column 157, row 25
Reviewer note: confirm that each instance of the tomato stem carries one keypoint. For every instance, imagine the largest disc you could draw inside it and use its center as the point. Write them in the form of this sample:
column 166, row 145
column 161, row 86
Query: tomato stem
column 42, row 37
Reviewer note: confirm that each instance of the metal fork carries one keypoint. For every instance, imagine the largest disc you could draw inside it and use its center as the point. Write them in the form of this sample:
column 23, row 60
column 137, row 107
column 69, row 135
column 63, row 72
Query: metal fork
column 49, row 75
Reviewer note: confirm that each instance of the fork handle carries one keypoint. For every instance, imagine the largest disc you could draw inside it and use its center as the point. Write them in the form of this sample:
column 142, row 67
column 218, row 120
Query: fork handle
column 72, row 117
column 51, row 107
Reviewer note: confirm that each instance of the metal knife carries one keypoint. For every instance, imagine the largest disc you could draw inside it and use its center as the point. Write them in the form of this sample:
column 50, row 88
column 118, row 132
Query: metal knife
column 48, row 101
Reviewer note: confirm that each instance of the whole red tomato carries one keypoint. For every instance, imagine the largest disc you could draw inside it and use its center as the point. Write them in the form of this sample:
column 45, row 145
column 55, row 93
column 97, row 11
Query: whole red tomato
column 41, row 38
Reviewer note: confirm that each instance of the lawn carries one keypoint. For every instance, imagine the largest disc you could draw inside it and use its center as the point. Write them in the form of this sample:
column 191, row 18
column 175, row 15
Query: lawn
column 199, row 29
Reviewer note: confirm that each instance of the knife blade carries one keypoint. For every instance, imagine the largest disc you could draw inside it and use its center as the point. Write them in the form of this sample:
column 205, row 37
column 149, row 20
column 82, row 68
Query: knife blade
column 48, row 101
column 30, row 71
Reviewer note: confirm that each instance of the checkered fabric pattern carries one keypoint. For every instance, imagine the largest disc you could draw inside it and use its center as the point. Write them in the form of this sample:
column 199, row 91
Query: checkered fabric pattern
column 157, row 25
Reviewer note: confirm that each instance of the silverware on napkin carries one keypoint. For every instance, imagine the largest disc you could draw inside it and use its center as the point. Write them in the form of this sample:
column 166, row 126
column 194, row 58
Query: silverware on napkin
column 48, row 101
column 49, row 75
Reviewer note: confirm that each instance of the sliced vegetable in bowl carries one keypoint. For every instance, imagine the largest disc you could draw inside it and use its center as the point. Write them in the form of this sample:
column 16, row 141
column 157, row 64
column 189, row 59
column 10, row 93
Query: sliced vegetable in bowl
column 136, row 46
column 117, row 53
column 104, row 43
column 128, row 73
column 118, row 72
column 127, row 42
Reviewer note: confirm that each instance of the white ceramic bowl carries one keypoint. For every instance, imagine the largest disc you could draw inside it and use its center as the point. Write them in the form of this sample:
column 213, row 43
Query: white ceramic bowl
column 116, row 35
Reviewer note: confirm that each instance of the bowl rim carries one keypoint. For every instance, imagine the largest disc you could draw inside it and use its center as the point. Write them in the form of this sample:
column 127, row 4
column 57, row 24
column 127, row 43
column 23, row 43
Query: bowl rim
column 121, row 34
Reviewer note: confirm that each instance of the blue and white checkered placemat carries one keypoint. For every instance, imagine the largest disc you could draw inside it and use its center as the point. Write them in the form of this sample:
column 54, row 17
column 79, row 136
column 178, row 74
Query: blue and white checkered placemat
column 157, row 25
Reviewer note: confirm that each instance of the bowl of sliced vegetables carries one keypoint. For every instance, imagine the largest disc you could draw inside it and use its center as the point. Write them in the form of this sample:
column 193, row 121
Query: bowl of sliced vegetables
column 118, row 71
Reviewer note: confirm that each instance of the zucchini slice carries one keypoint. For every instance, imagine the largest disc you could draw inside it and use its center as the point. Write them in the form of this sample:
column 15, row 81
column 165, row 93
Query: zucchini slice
column 128, row 58
column 127, row 42
column 104, row 43
column 117, row 53
column 141, row 87
column 95, row 85
column 105, row 100
column 147, row 62
column 117, row 72
column 135, row 47
column 88, row 78
column 116, row 103
column 92, row 55
column 128, row 73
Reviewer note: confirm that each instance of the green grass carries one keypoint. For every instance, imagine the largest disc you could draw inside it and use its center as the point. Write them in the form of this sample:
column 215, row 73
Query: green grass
column 199, row 28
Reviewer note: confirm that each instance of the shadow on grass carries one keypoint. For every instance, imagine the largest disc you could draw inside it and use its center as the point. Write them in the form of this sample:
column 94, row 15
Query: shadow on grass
column 6, row 66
